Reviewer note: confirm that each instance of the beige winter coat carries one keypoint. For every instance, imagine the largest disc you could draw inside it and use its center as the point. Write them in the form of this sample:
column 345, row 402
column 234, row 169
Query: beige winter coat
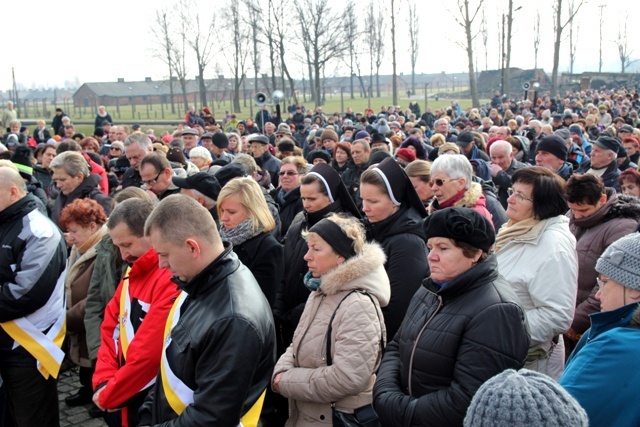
column 307, row 381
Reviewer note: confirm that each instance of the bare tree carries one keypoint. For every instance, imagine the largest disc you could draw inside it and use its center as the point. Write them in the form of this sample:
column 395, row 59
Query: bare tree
column 414, row 37
column 353, row 35
column 485, row 38
column 507, row 62
column 394, row 82
column 536, row 39
column 280, row 27
column 253, row 18
column 321, row 27
column 164, row 46
column 558, row 27
column 236, row 53
column 573, row 45
column 376, row 43
column 179, row 49
column 201, row 38
column 601, row 7
column 465, row 18
column 622, row 42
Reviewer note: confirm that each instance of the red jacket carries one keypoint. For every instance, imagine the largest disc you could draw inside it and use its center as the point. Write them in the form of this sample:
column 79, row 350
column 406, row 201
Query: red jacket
column 150, row 289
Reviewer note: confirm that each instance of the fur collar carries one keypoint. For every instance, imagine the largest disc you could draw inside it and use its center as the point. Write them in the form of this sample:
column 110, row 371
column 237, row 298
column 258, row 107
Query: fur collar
column 469, row 200
column 363, row 271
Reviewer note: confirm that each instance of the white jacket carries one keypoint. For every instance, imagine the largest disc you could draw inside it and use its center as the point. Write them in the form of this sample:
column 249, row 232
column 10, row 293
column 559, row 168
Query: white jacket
column 543, row 271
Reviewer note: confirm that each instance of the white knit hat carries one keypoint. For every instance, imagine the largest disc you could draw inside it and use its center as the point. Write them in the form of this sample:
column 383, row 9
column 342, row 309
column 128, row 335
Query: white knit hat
column 621, row 261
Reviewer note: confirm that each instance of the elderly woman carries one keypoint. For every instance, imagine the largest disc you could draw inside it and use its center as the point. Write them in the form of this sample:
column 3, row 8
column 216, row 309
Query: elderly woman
column 419, row 173
column 246, row 222
column 537, row 255
column 72, row 178
column 463, row 326
column 629, row 182
column 84, row 221
column 337, row 347
column 394, row 215
column 287, row 195
column 452, row 185
column 201, row 158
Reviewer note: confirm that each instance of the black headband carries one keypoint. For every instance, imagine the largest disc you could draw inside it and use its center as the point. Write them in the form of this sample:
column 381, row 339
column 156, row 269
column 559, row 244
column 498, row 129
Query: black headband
column 335, row 237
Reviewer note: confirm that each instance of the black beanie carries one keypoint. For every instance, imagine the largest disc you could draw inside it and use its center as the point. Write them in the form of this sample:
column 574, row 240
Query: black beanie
column 219, row 139
column 462, row 225
column 555, row 145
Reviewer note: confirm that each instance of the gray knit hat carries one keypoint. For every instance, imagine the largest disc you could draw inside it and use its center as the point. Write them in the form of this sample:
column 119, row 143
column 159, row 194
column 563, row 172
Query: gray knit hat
column 524, row 398
column 621, row 261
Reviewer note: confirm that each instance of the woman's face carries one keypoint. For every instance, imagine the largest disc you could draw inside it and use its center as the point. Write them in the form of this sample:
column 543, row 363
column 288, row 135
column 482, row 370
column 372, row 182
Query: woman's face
column 232, row 212
column 611, row 294
column 199, row 162
column 630, row 187
column 320, row 256
column 376, row 204
column 520, row 204
column 289, row 177
column 448, row 189
column 233, row 142
column 446, row 260
column 312, row 199
column 65, row 182
column 422, row 188
column 341, row 156
column 78, row 234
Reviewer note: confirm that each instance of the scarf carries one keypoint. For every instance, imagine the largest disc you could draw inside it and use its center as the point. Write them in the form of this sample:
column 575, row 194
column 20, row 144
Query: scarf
column 240, row 233
column 312, row 283
column 453, row 200
column 526, row 229
column 92, row 240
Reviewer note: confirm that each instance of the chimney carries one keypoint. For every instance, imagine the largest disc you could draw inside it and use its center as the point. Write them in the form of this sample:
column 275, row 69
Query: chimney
column 147, row 79
column 120, row 79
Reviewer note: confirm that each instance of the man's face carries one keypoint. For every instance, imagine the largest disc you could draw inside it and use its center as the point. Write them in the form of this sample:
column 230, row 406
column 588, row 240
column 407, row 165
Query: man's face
column 501, row 158
column 190, row 141
column 15, row 128
column 329, row 144
column 121, row 134
column 8, row 195
column 466, row 149
column 131, row 247
column 600, row 157
column 207, row 143
column 48, row 155
column 257, row 149
column 503, row 132
column 113, row 135
column 179, row 259
column 134, row 154
column 441, row 127
column 358, row 154
column 241, row 128
column 630, row 147
column 269, row 128
column 548, row 160
column 155, row 181
column 583, row 210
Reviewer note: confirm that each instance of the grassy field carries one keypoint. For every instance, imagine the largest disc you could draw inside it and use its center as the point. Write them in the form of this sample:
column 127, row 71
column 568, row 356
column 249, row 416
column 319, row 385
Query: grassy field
column 144, row 114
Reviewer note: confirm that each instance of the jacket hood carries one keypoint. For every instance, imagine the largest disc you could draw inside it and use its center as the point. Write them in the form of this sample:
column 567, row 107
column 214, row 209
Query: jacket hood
column 472, row 197
column 363, row 271
column 617, row 206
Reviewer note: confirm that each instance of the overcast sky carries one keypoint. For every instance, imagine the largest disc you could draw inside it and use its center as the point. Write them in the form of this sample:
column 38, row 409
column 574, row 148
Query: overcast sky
column 49, row 43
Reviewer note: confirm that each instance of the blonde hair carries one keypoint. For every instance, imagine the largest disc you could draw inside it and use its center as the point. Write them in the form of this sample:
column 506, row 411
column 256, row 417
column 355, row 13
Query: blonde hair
column 420, row 169
column 299, row 162
column 252, row 199
column 351, row 226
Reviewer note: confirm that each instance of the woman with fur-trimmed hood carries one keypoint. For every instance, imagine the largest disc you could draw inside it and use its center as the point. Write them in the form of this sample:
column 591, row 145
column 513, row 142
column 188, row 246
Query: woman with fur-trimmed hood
column 452, row 184
column 338, row 344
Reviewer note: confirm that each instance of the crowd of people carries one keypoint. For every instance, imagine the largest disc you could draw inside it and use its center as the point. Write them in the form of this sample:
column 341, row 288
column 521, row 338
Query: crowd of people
column 455, row 267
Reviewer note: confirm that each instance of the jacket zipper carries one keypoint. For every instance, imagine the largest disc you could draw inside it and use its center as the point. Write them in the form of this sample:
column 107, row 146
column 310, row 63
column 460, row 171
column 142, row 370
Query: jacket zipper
column 415, row 342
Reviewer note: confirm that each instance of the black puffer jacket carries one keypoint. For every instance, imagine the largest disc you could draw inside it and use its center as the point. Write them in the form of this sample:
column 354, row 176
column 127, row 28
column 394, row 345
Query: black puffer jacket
column 88, row 189
column 290, row 204
column 464, row 333
column 223, row 348
column 403, row 241
column 293, row 294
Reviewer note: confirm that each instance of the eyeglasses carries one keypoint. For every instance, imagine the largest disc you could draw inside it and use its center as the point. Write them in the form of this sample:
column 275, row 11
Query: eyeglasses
column 154, row 180
column 115, row 148
column 518, row 195
column 439, row 182
column 288, row 173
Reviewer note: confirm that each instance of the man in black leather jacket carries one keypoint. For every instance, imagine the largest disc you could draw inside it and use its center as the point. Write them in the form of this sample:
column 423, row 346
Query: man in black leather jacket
column 219, row 349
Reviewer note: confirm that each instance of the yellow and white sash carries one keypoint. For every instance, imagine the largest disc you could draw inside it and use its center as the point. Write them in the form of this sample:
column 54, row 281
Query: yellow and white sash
column 178, row 394
column 124, row 322
column 45, row 348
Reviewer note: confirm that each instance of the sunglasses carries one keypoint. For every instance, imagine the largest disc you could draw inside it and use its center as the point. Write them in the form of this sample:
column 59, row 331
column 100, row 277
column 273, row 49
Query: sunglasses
column 115, row 148
column 288, row 173
column 438, row 182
